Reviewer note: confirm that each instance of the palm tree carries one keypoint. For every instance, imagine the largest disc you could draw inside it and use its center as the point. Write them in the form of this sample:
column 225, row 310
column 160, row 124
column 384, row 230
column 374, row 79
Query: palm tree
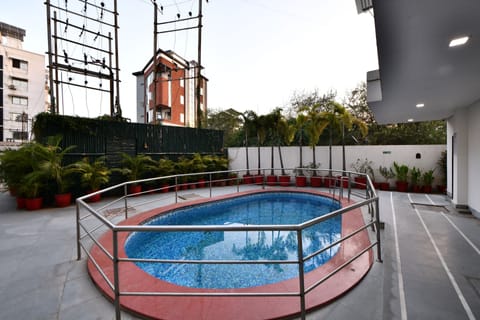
column 272, row 122
column 315, row 126
column 248, row 120
column 286, row 134
column 261, row 126
column 338, row 119
column 300, row 127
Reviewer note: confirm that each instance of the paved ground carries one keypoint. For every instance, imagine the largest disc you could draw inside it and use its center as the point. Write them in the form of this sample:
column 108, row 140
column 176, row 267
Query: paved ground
column 430, row 269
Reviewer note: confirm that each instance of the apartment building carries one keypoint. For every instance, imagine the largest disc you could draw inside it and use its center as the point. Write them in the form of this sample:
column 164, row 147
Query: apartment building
column 22, row 85
column 170, row 98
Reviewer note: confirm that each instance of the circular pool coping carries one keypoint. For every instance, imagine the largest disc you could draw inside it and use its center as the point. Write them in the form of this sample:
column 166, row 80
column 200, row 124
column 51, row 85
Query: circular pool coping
column 134, row 279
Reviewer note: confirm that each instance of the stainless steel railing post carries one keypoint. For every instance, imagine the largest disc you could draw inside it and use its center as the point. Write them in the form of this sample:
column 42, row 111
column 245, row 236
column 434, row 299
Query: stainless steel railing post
column 79, row 249
column 116, row 278
column 377, row 227
column 301, row 275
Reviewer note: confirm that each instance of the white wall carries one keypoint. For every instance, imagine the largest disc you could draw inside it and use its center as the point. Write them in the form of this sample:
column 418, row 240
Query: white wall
column 458, row 132
column 380, row 155
column 474, row 158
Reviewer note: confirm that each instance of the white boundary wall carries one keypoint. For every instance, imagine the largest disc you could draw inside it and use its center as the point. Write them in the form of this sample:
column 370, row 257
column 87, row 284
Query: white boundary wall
column 379, row 155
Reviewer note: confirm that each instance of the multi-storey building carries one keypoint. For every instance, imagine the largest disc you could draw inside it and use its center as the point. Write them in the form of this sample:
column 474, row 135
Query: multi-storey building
column 22, row 85
column 171, row 97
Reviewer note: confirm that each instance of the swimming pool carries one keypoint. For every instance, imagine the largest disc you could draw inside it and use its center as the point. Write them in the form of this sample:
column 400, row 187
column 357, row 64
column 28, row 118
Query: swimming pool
column 151, row 297
column 272, row 208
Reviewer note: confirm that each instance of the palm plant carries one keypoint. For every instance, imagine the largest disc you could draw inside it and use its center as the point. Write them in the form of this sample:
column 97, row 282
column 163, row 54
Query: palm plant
column 286, row 134
column 93, row 175
column 51, row 165
column 300, row 128
column 135, row 167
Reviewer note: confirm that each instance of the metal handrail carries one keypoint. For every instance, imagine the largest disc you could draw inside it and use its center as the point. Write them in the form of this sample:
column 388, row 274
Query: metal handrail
column 371, row 201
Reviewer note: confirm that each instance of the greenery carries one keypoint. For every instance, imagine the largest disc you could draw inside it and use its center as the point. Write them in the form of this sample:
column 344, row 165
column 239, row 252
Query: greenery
column 401, row 172
column 93, row 175
column 351, row 122
column 428, row 177
column 364, row 166
column 136, row 167
column 415, row 175
column 386, row 173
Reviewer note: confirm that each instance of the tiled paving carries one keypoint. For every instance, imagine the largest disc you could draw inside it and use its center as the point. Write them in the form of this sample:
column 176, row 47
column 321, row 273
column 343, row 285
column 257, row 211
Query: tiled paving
column 430, row 269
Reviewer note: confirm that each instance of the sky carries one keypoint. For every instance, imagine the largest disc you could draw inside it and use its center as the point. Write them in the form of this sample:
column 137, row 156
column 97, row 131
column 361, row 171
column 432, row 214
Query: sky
column 256, row 53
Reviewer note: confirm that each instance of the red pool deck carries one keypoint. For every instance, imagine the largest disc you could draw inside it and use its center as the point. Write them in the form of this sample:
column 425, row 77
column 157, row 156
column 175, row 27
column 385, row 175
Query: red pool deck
column 133, row 279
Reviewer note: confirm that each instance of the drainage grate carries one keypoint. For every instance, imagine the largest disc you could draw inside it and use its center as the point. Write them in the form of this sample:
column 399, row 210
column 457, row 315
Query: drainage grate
column 429, row 207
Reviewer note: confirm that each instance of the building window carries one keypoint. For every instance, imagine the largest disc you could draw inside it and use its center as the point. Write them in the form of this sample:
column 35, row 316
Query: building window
column 20, row 64
column 19, row 84
column 20, row 135
column 182, row 82
column 21, row 101
column 182, row 99
column 182, row 118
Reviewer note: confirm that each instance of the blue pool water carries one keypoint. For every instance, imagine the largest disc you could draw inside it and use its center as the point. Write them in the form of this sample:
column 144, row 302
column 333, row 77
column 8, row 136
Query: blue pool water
column 280, row 208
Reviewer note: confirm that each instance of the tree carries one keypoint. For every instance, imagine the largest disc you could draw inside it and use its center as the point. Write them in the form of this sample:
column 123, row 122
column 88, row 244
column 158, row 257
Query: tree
column 229, row 121
column 286, row 134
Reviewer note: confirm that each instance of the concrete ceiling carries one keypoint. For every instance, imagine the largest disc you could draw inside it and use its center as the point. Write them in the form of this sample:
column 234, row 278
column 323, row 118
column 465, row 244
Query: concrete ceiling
column 415, row 60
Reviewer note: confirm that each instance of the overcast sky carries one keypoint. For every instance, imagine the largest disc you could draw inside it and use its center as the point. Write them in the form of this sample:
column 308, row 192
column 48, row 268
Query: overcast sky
column 256, row 53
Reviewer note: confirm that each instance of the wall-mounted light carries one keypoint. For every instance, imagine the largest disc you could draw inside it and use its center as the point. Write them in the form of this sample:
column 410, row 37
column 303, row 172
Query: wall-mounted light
column 420, row 105
column 459, row 41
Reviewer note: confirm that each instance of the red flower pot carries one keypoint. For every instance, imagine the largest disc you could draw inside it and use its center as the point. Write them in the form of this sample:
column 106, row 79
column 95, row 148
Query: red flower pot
column 316, row 181
column 360, row 182
column 402, row 186
column 165, row 188
column 63, row 200
column 417, row 188
column 329, row 182
column 20, row 203
column 300, row 181
column 247, row 179
column 134, row 189
column 384, row 186
column 33, row 203
column 427, row 189
column 272, row 180
column 94, row 198
column 344, row 181
column 258, row 179
column 284, row 180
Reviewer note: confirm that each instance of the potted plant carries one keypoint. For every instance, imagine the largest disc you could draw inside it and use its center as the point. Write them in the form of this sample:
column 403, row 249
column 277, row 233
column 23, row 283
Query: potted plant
column 300, row 178
column 427, row 179
column 51, row 166
column 401, row 174
column 164, row 168
column 363, row 166
column 315, row 181
column 93, row 175
column 415, row 175
column 387, row 174
column 134, row 168
column 31, row 187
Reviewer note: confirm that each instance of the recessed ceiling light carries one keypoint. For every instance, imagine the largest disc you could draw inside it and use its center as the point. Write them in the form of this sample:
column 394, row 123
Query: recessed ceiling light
column 420, row 105
column 410, row 120
column 460, row 41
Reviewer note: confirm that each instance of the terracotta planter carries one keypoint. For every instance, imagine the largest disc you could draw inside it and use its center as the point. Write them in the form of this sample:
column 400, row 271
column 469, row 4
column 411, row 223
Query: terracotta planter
column 427, row 189
column 94, row 198
column 417, row 188
column 33, row 203
column 201, row 183
column 63, row 200
column 165, row 188
column 284, row 180
column 272, row 180
column 134, row 189
column 344, row 181
column 20, row 203
column 384, row 186
column 316, row 181
column 300, row 181
column 247, row 179
column 402, row 186
column 442, row 189
column 258, row 179
column 329, row 182
column 360, row 182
